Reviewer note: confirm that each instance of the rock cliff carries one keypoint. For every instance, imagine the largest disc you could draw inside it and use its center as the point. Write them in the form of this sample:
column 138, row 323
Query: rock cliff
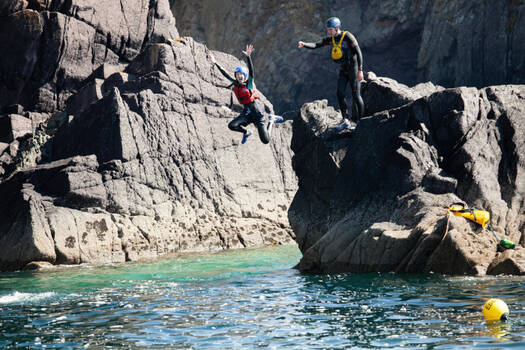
column 451, row 43
column 50, row 47
column 375, row 199
column 116, row 145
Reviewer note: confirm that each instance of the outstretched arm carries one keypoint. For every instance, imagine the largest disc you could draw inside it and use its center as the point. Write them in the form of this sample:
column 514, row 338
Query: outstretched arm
column 312, row 46
column 211, row 58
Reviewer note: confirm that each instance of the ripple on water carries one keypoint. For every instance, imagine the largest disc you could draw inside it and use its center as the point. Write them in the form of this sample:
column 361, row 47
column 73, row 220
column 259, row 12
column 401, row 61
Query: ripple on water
column 251, row 299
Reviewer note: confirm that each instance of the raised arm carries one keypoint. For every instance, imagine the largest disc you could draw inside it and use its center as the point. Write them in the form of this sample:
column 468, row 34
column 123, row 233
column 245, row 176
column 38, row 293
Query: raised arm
column 248, row 54
column 250, row 67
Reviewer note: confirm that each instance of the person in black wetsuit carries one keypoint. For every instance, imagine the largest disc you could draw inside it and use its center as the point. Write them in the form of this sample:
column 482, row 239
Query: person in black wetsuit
column 244, row 89
column 346, row 52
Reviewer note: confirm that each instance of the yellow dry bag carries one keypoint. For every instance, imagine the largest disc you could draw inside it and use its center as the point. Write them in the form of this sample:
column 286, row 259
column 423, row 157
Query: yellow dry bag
column 481, row 217
column 337, row 52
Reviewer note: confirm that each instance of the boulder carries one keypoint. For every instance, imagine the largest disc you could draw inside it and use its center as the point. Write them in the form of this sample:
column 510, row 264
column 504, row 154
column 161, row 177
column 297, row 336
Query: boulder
column 509, row 262
column 375, row 199
column 381, row 93
column 37, row 265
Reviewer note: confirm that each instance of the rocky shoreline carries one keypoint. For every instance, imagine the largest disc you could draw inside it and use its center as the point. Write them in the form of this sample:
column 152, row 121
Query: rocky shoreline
column 114, row 147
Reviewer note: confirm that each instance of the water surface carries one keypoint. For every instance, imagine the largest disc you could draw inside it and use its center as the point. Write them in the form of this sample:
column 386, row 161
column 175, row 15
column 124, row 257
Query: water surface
column 250, row 299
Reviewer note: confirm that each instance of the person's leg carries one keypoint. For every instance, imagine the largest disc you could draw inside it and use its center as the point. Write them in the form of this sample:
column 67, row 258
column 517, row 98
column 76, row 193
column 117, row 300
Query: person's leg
column 356, row 97
column 342, row 81
column 264, row 127
column 265, row 130
column 239, row 124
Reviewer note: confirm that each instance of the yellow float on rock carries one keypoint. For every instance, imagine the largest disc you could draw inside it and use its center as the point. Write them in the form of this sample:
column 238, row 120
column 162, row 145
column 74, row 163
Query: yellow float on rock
column 481, row 217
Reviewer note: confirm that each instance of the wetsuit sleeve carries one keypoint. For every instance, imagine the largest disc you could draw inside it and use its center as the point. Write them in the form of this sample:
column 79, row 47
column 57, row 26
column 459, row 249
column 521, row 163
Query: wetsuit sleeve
column 226, row 74
column 322, row 42
column 250, row 67
column 354, row 46
column 359, row 57
column 251, row 75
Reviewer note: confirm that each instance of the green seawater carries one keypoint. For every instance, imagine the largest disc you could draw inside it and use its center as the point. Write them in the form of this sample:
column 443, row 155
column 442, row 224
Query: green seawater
column 249, row 299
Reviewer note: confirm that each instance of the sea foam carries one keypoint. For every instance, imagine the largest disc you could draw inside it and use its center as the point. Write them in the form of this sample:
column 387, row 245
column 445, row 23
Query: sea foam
column 20, row 298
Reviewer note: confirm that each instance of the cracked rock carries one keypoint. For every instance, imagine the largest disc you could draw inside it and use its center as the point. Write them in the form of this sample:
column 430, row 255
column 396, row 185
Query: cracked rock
column 375, row 199
column 141, row 162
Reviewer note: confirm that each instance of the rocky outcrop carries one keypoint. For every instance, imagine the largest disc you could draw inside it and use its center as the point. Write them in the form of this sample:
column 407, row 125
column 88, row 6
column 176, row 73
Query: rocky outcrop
column 375, row 199
column 450, row 43
column 509, row 262
column 139, row 162
column 50, row 47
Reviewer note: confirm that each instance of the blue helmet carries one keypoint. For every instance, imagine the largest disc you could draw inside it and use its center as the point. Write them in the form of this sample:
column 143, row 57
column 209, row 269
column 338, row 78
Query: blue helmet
column 242, row 70
column 333, row 22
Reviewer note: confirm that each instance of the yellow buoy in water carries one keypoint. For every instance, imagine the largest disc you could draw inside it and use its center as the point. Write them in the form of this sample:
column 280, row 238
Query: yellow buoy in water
column 495, row 310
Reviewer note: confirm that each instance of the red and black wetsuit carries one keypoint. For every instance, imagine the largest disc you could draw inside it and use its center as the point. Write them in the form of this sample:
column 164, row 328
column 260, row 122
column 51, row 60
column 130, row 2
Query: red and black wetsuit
column 351, row 63
column 246, row 95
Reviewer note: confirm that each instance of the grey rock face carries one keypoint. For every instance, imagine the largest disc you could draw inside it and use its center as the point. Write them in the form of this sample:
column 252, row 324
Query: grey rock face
column 476, row 43
column 141, row 163
column 451, row 42
column 375, row 199
column 50, row 47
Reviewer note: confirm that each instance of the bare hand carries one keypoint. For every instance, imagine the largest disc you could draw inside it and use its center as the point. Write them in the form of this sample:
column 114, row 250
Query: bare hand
column 300, row 44
column 360, row 76
column 211, row 58
column 248, row 51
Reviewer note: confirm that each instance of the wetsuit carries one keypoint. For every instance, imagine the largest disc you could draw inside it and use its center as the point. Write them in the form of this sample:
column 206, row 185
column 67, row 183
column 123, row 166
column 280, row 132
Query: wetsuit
column 251, row 112
column 351, row 63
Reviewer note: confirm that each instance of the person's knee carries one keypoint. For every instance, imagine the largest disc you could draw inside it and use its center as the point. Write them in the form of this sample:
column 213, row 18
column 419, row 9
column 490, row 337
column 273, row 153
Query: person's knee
column 232, row 126
column 265, row 138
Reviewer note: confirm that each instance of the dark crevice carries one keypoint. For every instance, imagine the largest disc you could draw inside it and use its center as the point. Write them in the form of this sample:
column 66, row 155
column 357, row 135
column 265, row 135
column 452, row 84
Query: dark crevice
column 508, row 168
column 222, row 239
column 150, row 23
column 241, row 239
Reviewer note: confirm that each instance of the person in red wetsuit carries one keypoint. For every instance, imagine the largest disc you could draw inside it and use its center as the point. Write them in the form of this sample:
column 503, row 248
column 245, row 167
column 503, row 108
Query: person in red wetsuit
column 345, row 52
column 244, row 89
